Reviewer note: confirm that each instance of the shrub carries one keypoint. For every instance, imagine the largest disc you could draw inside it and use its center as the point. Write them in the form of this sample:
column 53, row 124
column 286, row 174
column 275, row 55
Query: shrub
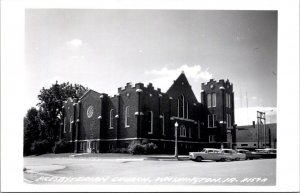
column 61, row 147
column 150, row 148
column 135, row 147
column 145, row 141
column 40, row 147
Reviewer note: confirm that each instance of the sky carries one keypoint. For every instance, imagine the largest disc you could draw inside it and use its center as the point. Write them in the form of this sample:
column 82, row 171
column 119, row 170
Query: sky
column 105, row 49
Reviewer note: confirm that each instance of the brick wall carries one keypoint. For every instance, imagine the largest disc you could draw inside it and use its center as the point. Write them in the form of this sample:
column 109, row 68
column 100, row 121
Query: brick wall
column 141, row 100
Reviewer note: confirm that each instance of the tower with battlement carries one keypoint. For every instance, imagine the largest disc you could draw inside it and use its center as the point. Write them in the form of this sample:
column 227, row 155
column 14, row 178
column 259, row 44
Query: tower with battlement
column 218, row 98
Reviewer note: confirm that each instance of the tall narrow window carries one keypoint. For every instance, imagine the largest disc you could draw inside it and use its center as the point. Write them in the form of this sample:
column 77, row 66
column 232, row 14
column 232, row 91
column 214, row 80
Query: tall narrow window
column 150, row 122
column 182, row 131
column 178, row 108
column 187, row 109
column 163, row 124
column 229, row 101
column 209, row 121
column 183, row 104
column 208, row 100
column 214, row 99
column 65, row 124
column 226, row 99
column 111, row 119
column 181, row 107
column 190, row 132
column 227, row 119
column 127, row 116
column 71, row 122
column 214, row 120
column 198, row 129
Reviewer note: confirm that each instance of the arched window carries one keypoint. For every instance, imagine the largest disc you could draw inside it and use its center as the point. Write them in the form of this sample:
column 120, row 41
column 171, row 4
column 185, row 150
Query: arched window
column 182, row 131
column 150, row 122
column 111, row 119
column 208, row 100
column 127, row 116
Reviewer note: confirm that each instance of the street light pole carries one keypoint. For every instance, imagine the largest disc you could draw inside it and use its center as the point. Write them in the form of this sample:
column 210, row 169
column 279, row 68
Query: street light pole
column 176, row 148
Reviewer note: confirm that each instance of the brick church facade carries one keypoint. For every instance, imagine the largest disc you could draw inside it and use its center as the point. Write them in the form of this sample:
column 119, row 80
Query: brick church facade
column 100, row 123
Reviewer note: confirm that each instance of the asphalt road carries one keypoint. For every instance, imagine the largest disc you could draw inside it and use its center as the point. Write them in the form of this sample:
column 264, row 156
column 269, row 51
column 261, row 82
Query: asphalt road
column 138, row 171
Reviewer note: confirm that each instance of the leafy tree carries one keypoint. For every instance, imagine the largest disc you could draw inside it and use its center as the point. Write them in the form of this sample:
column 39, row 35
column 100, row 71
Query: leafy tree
column 46, row 120
column 31, row 129
column 51, row 102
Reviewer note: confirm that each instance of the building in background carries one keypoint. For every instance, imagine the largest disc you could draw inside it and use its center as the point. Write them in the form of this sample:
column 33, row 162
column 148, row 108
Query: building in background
column 105, row 123
column 247, row 136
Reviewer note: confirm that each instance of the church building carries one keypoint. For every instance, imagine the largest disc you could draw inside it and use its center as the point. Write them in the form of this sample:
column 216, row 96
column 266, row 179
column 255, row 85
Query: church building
column 101, row 123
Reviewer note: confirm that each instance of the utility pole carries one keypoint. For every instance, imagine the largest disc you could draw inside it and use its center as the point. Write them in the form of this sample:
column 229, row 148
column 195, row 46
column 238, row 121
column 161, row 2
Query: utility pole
column 261, row 116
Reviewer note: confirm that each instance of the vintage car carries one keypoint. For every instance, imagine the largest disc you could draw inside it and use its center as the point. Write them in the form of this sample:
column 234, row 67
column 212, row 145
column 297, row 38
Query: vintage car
column 249, row 155
column 266, row 153
column 216, row 155
column 207, row 154
column 231, row 154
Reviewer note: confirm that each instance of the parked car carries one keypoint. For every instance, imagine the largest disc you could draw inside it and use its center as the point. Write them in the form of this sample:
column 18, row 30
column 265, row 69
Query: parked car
column 270, row 150
column 249, row 155
column 207, row 154
column 231, row 154
column 216, row 155
column 267, row 153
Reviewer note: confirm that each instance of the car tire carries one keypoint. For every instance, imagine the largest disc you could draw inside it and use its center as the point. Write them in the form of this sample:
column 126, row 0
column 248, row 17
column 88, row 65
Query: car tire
column 199, row 159
column 223, row 159
column 237, row 159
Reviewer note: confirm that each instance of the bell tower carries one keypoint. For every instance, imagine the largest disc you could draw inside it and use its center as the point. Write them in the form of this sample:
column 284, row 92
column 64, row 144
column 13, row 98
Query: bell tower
column 218, row 99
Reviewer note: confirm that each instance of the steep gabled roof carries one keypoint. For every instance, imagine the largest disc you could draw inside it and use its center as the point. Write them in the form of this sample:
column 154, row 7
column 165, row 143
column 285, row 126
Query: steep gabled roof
column 181, row 85
column 85, row 94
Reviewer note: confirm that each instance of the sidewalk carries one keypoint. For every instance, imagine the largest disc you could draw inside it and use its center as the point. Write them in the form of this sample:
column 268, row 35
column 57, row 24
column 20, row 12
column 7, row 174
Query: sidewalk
column 114, row 156
column 167, row 157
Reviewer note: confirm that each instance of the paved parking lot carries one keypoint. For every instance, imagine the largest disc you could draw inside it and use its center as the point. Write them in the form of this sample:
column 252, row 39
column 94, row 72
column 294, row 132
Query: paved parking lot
column 138, row 170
